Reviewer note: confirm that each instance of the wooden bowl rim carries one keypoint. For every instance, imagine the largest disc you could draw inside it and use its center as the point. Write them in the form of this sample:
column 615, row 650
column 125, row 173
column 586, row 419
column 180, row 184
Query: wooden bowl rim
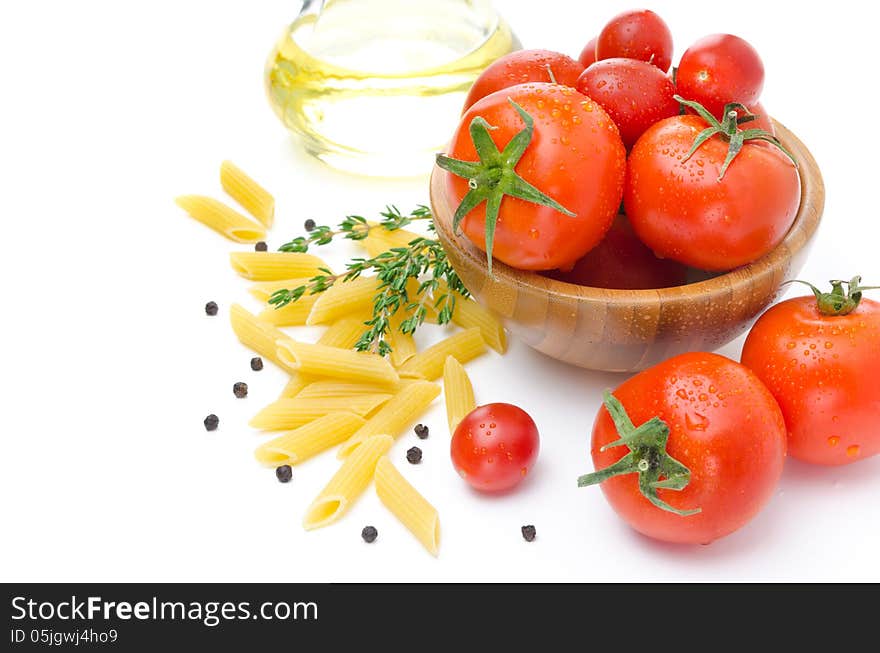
column 799, row 235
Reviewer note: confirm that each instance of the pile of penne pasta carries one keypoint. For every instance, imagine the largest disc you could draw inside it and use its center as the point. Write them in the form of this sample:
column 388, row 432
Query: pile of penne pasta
column 336, row 396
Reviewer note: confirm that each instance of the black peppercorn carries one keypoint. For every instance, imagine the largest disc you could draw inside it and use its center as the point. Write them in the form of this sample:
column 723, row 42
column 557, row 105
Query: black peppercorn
column 240, row 390
column 261, row 246
column 211, row 308
column 309, row 225
column 284, row 473
column 369, row 534
column 414, row 455
column 421, row 431
column 256, row 363
column 212, row 422
column 529, row 533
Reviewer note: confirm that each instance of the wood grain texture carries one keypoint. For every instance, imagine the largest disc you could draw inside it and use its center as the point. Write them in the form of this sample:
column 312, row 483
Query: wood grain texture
column 629, row 330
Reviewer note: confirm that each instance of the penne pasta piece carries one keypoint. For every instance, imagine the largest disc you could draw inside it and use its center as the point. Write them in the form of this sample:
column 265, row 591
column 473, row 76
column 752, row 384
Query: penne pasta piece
column 254, row 198
column 403, row 346
column 270, row 266
column 294, row 314
column 291, row 413
column 410, row 507
column 300, row 444
column 458, row 391
column 344, row 298
column 348, row 483
column 296, row 384
column 428, row 364
column 469, row 314
column 321, row 360
column 221, row 218
column 398, row 413
column 380, row 240
column 332, row 388
column 258, row 336
column 262, row 290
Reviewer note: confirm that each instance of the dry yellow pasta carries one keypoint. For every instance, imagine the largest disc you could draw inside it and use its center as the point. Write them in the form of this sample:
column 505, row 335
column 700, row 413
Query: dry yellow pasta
column 381, row 240
column 257, row 335
column 262, row 290
column 403, row 346
column 244, row 190
column 398, row 413
column 291, row 413
column 348, row 483
column 410, row 507
column 300, row 444
column 468, row 314
column 327, row 388
column 221, row 218
column 321, row 360
column 294, row 314
column 344, row 298
column 270, row 266
column 343, row 333
column 428, row 364
column 458, row 391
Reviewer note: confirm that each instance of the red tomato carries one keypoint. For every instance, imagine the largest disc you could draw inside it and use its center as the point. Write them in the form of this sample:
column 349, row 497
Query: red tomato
column 640, row 34
column 682, row 211
column 495, row 446
column 622, row 261
column 823, row 370
column 718, row 70
column 726, row 440
column 588, row 54
column 762, row 121
column 634, row 93
column 575, row 157
column 524, row 66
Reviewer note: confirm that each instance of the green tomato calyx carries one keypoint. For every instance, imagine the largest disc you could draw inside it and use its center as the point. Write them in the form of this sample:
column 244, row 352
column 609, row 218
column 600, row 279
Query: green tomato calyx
column 494, row 175
column 647, row 457
column 838, row 301
column 729, row 129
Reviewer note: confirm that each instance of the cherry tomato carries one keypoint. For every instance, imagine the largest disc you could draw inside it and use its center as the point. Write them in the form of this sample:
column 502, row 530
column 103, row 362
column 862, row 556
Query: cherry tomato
column 724, row 454
column 682, row 211
column 623, row 261
column 634, row 93
column 720, row 69
column 588, row 54
column 524, row 66
column 640, row 34
column 823, row 369
column 495, row 446
column 575, row 157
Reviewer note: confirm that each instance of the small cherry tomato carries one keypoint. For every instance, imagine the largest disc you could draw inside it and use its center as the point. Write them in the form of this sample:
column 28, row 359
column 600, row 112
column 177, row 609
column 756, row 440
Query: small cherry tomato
column 622, row 261
column 495, row 446
column 634, row 93
column 718, row 70
column 820, row 357
column 524, row 66
column 689, row 450
column 588, row 54
column 640, row 34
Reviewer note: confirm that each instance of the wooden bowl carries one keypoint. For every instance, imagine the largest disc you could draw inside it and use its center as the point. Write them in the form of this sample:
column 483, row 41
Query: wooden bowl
column 629, row 330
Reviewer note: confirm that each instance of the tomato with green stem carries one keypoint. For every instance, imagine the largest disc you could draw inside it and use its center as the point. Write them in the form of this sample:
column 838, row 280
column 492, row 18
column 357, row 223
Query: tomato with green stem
column 521, row 67
column 537, row 173
column 690, row 450
column 820, row 357
column 639, row 34
column 710, row 194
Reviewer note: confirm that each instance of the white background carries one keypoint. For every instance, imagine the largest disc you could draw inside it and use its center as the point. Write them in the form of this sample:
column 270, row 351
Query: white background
column 109, row 365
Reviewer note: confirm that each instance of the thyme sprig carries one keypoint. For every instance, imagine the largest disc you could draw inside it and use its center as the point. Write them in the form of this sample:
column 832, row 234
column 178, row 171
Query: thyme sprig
column 422, row 261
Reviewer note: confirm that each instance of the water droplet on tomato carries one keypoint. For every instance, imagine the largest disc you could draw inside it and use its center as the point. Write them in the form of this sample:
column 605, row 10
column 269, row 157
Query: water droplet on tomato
column 853, row 450
column 697, row 422
column 833, row 441
column 523, row 471
column 829, row 345
column 681, row 394
column 791, row 345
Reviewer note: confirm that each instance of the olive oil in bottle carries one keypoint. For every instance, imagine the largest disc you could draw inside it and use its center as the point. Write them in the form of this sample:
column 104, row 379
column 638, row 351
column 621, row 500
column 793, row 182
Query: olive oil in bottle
column 376, row 87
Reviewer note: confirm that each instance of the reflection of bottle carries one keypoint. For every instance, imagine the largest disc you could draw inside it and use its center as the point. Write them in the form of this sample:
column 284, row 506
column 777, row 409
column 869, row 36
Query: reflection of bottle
column 376, row 86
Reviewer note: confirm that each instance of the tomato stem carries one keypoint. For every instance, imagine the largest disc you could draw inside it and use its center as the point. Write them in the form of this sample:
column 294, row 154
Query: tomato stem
column 647, row 457
column 729, row 129
column 494, row 175
column 838, row 301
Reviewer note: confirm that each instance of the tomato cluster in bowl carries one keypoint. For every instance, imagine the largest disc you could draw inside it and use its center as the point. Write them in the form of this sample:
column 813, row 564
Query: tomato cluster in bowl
column 615, row 170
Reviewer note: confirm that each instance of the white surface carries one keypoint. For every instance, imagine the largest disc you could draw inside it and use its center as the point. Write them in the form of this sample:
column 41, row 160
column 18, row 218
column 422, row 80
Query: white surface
column 109, row 365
